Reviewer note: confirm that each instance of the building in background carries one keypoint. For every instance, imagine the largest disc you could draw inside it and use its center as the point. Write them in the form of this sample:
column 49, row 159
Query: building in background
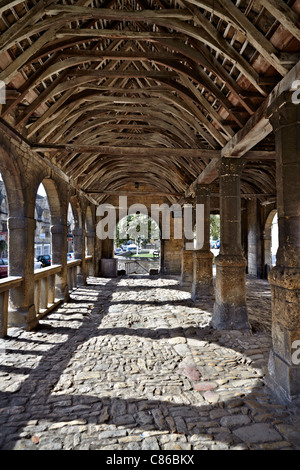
column 71, row 226
column 42, row 240
column 3, row 221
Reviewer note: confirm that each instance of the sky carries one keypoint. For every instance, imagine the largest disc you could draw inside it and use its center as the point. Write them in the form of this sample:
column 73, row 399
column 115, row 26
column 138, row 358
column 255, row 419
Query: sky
column 41, row 190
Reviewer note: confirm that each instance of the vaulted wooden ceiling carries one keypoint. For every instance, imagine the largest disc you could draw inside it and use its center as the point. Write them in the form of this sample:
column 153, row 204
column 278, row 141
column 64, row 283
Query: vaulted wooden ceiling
column 115, row 92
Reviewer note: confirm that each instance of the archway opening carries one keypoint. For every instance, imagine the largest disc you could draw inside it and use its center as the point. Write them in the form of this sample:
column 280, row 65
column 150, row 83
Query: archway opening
column 42, row 239
column 137, row 244
column 3, row 230
column 271, row 241
column 215, row 233
column 274, row 239
column 70, row 237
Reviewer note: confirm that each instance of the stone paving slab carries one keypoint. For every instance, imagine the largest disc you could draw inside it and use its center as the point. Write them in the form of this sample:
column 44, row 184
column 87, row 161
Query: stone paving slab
column 133, row 364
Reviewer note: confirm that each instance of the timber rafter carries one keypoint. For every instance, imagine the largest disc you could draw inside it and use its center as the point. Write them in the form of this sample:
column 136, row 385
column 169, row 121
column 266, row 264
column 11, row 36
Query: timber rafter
column 88, row 80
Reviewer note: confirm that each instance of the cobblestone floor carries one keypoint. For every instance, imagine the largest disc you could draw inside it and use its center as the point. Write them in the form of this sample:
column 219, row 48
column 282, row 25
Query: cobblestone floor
column 133, row 364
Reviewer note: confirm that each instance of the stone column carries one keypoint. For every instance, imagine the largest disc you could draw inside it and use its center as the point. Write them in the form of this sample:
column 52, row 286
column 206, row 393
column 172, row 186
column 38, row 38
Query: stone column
column 172, row 247
column 203, row 257
column 107, row 248
column 22, row 311
column 90, row 241
column 230, row 311
column 79, row 253
column 97, row 251
column 254, row 239
column 108, row 264
column 59, row 256
column 284, row 364
column 186, row 279
column 267, row 254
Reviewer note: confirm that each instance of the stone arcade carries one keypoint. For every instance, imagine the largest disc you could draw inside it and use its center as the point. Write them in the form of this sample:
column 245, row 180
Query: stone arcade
column 165, row 102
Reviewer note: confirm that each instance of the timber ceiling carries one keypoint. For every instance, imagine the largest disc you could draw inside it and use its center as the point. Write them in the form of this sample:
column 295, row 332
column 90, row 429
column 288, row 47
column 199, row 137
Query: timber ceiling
column 118, row 92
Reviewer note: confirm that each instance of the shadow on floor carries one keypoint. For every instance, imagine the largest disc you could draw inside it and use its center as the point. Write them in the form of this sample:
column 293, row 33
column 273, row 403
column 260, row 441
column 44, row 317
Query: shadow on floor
column 35, row 399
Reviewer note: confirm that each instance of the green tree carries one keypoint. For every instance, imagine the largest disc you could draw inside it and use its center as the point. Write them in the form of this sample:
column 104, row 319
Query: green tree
column 215, row 226
column 3, row 246
column 138, row 227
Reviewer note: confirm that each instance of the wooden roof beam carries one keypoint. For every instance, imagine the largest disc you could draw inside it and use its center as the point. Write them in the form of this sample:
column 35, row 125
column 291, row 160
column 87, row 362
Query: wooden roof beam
column 256, row 129
column 258, row 126
column 204, row 154
column 284, row 14
column 252, row 34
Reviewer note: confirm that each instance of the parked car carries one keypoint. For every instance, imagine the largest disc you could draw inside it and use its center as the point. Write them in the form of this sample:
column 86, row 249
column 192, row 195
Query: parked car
column 215, row 244
column 3, row 267
column 45, row 260
column 37, row 264
column 132, row 249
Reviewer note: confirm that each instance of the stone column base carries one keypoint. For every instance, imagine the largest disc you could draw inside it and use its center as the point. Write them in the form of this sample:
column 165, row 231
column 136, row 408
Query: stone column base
column 186, row 279
column 202, row 274
column 230, row 310
column 284, row 362
column 22, row 318
column 109, row 267
column 62, row 292
column 283, row 380
column 230, row 317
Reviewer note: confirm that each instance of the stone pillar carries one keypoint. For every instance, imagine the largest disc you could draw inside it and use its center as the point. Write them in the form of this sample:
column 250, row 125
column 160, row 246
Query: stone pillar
column 108, row 264
column 284, row 366
column 203, row 257
column 97, row 255
column 59, row 256
column 254, row 239
column 267, row 254
column 172, row 247
column 186, row 279
column 79, row 253
column 78, row 242
column 230, row 311
column 107, row 248
column 90, row 241
column 22, row 311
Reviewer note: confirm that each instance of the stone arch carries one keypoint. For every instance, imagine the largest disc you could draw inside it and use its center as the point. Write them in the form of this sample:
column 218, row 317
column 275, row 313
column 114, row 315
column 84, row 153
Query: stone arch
column 54, row 201
column 57, row 218
column 17, row 210
column 77, row 210
column 42, row 233
column 13, row 185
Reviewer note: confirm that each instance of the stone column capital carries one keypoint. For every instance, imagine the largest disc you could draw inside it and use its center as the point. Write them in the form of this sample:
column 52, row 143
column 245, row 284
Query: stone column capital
column 58, row 228
column 21, row 223
column 90, row 234
column 202, row 190
column 283, row 111
column 78, row 232
column 231, row 166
